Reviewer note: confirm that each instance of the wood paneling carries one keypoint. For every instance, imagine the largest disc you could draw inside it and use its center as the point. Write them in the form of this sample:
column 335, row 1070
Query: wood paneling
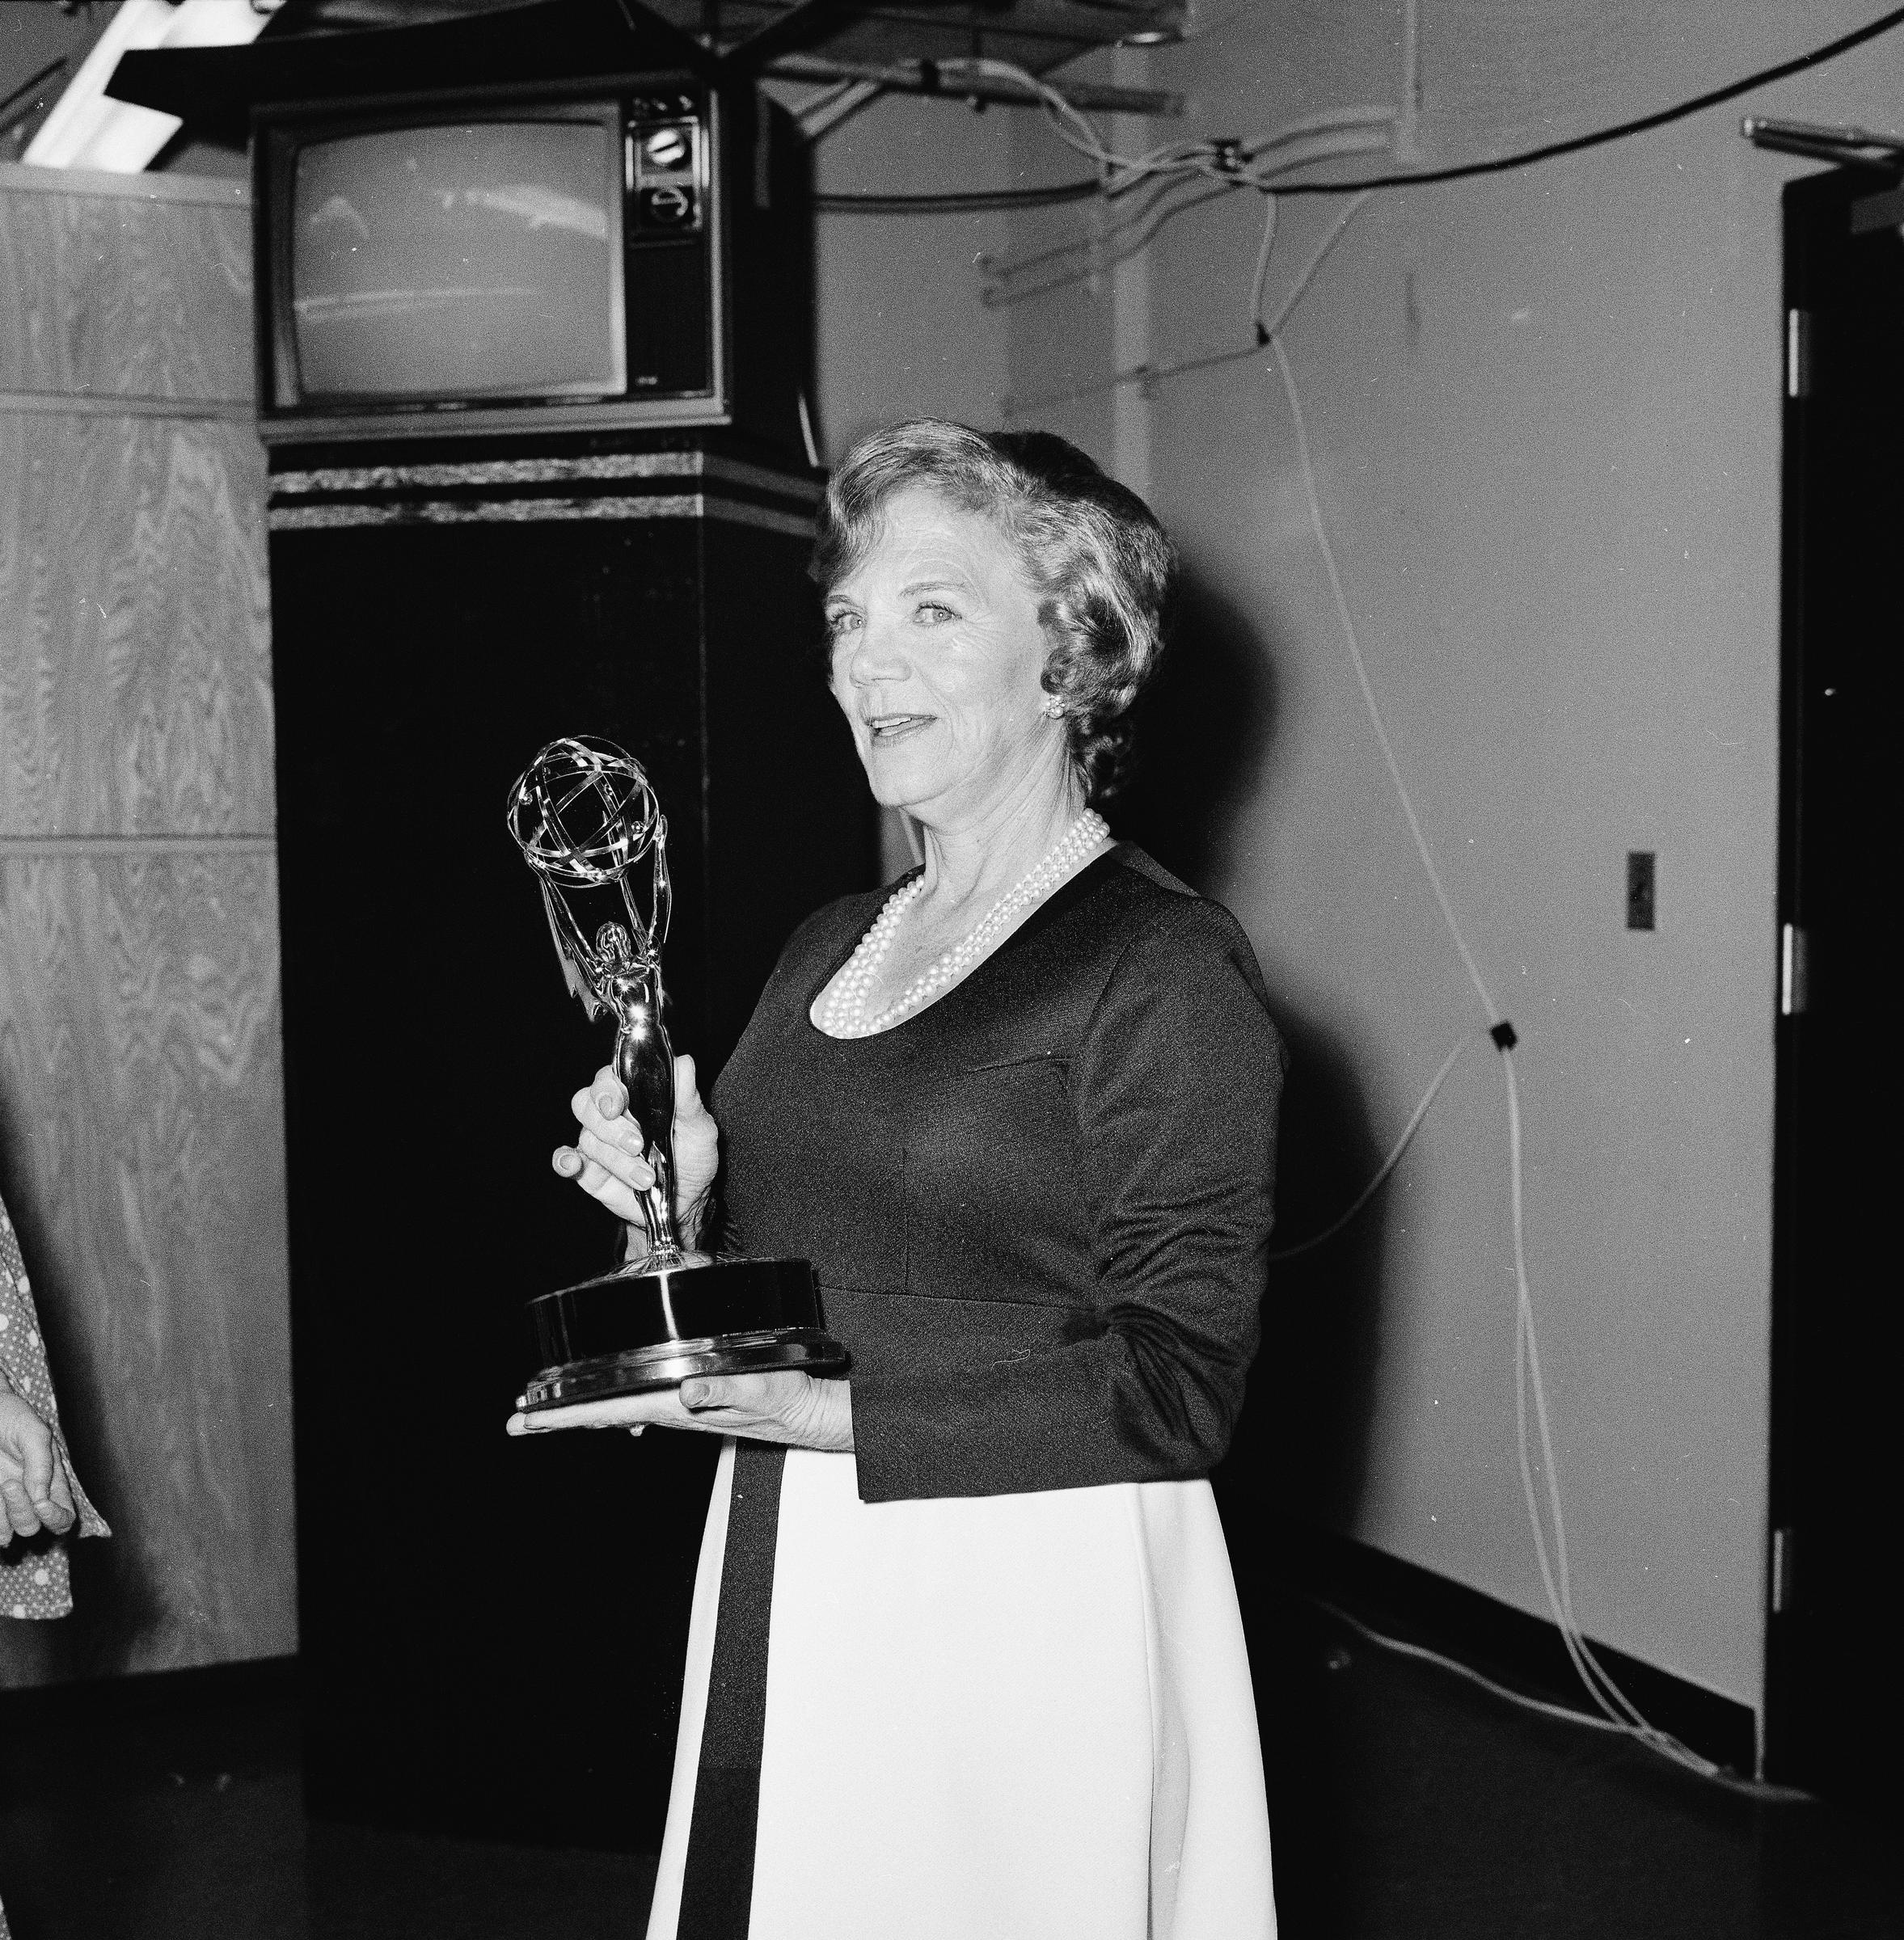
column 136, row 294
column 135, row 691
column 141, row 1141
column 142, row 1147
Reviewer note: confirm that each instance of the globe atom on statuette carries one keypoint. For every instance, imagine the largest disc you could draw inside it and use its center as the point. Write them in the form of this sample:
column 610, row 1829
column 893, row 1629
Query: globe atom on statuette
column 586, row 819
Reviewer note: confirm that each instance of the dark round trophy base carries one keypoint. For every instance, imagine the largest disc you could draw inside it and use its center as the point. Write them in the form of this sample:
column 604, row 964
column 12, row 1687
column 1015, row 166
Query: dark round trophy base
column 631, row 1333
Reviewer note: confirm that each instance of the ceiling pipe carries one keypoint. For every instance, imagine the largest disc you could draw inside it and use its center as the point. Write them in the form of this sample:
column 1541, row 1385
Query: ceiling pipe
column 952, row 79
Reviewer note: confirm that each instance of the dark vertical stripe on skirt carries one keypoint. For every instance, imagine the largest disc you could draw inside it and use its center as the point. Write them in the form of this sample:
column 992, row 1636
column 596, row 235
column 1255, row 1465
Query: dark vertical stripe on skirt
column 717, row 1877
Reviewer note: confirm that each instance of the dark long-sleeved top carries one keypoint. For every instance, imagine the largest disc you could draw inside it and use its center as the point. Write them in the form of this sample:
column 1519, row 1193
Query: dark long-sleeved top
column 1039, row 1209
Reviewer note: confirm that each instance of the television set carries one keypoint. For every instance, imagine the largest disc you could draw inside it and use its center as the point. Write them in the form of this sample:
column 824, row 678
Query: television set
column 545, row 259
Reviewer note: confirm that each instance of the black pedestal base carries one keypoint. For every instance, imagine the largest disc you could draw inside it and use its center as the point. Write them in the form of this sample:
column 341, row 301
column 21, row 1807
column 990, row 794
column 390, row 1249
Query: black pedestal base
column 631, row 1333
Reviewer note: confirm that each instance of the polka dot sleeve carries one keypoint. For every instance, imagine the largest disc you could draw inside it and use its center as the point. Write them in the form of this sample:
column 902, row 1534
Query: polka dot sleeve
column 33, row 1575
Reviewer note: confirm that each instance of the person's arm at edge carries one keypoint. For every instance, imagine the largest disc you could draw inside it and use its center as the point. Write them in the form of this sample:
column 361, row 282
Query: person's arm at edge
column 34, row 1491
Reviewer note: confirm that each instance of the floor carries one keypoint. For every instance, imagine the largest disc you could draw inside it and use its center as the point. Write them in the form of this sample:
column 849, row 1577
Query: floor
column 1416, row 1807
column 1406, row 1806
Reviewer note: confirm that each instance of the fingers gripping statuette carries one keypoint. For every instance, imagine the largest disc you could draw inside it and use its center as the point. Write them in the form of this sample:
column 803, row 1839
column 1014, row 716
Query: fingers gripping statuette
column 585, row 818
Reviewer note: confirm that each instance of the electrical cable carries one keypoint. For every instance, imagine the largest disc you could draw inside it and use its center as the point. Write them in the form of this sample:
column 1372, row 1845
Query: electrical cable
column 1019, row 266
column 1117, row 245
column 1082, row 191
column 1189, row 169
column 1388, row 1164
column 1203, row 162
column 1242, row 163
column 1150, row 373
column 1083, row 258
column 1236, row 163
column 1362, row 670
column 1555, row 1573
column 1257, row 324
column 1565, row 1713
column 1001, row 292
column 1422, row 1654
column 1547, row 151
column 957, row 202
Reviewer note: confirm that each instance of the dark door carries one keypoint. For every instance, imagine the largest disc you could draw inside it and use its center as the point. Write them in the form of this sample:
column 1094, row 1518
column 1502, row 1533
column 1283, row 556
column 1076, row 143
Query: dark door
column 1833, row 1710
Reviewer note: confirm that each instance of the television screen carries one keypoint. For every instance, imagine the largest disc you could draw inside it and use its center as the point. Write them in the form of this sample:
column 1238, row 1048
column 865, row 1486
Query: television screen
column 457, row 261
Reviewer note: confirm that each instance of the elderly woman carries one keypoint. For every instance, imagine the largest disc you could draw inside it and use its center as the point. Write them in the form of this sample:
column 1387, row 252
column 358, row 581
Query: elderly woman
column 965, row 1658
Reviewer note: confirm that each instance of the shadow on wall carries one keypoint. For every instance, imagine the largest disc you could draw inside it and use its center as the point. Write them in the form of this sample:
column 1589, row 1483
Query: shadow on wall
column 1205, row 731
column 114, row 1603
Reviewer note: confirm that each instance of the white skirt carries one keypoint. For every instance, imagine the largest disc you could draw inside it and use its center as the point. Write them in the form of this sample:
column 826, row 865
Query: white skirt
column 1019, row 1717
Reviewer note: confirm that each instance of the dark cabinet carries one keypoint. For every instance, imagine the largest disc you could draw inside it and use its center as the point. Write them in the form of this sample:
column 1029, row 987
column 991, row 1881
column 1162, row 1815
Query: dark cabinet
column 492, row 1630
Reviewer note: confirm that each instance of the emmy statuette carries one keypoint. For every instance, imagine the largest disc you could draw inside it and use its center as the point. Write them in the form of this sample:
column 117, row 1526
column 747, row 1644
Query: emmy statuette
column 586, row 819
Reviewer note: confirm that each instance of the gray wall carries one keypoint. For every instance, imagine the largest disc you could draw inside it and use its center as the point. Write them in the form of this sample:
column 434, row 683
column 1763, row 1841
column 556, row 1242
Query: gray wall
column 1545, row 409
column 901, row 331
column 141, row 1142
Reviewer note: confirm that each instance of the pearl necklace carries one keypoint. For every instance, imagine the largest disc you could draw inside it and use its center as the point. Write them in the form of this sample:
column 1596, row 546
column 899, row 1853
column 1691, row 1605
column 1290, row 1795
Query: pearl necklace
column 843, row 1014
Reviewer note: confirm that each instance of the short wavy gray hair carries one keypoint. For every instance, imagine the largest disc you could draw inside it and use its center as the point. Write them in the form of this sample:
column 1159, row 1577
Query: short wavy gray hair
column 1100, row 565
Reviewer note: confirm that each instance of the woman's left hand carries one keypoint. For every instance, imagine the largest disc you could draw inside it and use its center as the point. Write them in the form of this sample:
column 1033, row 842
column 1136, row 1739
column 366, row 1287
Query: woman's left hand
column 787, row 1407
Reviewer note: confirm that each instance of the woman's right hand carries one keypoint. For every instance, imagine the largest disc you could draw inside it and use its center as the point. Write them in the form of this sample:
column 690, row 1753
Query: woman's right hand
column 608, row 1158
column 33, row 1490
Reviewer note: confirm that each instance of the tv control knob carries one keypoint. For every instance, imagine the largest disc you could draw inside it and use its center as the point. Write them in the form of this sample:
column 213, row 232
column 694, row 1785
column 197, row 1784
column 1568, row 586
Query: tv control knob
column 668, row 148
column 668, row 207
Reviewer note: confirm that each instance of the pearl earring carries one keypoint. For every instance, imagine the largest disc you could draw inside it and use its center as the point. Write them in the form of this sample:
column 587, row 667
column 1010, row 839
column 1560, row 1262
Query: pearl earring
column 1054, row 709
